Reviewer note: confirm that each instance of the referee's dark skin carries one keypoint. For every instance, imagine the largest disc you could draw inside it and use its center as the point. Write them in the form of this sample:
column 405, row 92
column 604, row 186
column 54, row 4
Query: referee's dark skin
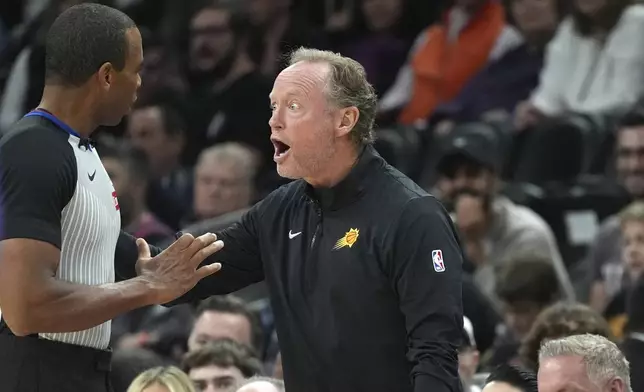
column 94, row 54
column 363, row 266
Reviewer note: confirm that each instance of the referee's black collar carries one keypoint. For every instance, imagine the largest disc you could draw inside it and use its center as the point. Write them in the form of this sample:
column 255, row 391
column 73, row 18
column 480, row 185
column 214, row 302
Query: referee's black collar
column 352, row 187
column 83, row 142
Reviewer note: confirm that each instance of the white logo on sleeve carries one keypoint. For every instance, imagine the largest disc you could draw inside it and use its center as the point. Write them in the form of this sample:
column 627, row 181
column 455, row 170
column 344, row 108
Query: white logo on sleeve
column 437, row 260
column 292, row 235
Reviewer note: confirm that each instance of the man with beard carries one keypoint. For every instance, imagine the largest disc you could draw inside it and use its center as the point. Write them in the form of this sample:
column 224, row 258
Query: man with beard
column 227, row 100
column 604, row 264
column 492, row 227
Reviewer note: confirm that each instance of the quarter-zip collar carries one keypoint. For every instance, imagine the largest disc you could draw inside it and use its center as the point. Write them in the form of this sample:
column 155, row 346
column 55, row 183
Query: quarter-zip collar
column 352, row 187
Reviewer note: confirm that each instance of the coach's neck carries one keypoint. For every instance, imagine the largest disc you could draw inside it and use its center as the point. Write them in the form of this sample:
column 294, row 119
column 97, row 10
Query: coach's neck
column 71, row 106
column 337, row 168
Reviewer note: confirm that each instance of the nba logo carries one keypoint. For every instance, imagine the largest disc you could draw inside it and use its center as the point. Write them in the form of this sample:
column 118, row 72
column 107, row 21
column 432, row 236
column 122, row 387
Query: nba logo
column 116, row 201
column 437, row 259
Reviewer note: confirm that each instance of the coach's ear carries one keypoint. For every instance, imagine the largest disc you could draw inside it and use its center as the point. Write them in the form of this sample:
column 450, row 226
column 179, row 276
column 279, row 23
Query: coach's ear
column 105, row 74
column 346, row 120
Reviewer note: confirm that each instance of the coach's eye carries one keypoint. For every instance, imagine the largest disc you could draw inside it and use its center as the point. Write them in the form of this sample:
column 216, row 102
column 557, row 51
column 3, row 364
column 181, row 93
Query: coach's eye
column 293, row 106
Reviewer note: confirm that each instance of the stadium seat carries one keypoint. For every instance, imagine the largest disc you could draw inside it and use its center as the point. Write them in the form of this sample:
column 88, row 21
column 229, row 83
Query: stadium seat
column 561, row 149
column 573, row 211
column 400, row 147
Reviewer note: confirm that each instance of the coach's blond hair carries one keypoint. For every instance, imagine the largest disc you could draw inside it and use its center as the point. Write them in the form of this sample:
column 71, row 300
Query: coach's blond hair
column 170, row 377
column 603, row 359
column 347, row 86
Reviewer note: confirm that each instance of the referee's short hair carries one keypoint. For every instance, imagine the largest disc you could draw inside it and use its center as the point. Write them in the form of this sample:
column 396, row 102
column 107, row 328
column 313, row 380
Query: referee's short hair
column 82, row 39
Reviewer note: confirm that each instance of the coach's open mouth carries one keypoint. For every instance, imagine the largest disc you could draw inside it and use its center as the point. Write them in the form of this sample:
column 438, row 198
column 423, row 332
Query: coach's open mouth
column 280, row 148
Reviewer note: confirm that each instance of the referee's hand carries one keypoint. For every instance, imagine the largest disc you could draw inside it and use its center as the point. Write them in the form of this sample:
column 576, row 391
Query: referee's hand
column 176, row 270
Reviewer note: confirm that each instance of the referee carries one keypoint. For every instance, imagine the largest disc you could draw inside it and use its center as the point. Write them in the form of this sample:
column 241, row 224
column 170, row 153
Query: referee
column 61, row 228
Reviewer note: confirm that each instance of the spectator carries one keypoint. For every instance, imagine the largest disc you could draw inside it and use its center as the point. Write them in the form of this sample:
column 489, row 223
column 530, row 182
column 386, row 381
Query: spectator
column 220, row 365
column 447, row 55
column 492, row 227
column 381, row 47
column 583, row 362
column 227, row 96
column 261, row 384
column 468, row 357
column 155, row 127
column 510, row 379
column 224, row 180
column 494, row 92
column 162, row 379
column 26, row 79
column 225, row 317
column 591, row 70
column 526, row 285
column 633, row 343
column 129, row 171
column 127, row 364
column 604, row 262
column 558, row 321
column 274, row 31
column 632, row 234
column 592, row 64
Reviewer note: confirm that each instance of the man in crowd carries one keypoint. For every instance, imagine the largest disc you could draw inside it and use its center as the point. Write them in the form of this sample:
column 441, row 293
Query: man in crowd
column 604, row 262
column 492, row 227
column 224, row 180
column 156, row 127
column 220, row 365
column 525, row 287
column 583, row 362
column 221, row 317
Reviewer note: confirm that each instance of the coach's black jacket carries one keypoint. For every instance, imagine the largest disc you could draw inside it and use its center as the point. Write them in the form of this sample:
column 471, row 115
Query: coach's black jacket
column 359, row 304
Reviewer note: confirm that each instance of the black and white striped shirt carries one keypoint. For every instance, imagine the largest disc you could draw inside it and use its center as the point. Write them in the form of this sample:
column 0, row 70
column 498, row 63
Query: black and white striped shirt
column 55, row 189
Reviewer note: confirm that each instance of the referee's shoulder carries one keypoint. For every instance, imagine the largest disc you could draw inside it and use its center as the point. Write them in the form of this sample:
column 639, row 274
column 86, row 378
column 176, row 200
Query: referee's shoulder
column 28, row 133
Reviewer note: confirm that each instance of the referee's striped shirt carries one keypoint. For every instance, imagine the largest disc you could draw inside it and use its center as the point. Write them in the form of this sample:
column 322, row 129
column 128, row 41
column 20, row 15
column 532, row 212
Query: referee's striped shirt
column 55, row 189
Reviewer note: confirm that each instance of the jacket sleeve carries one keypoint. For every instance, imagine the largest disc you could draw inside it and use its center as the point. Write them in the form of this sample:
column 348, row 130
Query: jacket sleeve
column 426, row 268
column 240, row 258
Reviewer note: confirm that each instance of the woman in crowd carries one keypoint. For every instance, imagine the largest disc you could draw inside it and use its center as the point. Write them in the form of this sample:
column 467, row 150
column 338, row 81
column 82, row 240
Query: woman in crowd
column 162, row 379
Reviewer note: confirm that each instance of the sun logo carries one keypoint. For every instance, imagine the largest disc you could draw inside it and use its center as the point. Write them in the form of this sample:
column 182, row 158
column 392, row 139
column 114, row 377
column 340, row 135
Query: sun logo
column 350, row 238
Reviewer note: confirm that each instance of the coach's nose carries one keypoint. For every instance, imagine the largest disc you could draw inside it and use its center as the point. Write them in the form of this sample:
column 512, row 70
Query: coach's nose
column 275, row 122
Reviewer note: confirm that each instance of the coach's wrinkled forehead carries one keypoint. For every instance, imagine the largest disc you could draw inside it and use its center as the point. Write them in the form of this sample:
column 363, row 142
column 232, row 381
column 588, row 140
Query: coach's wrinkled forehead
column 303, row 78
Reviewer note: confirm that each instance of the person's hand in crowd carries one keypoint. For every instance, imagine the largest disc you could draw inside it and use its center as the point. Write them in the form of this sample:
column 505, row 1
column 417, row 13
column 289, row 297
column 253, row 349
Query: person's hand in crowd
column 526, row 115
column 176, row 270
column 471, row 216
column 472, row 220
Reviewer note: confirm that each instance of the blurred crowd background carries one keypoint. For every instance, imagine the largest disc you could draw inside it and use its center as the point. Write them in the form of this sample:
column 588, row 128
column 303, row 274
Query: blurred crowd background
column 525, row 117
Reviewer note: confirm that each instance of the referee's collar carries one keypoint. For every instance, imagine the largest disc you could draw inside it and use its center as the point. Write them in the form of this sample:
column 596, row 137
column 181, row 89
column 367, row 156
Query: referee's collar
column 82, row 141
column 352, row 187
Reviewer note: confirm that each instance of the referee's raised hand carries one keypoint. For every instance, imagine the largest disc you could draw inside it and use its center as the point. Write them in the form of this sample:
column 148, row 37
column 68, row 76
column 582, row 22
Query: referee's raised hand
column 177, row 269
